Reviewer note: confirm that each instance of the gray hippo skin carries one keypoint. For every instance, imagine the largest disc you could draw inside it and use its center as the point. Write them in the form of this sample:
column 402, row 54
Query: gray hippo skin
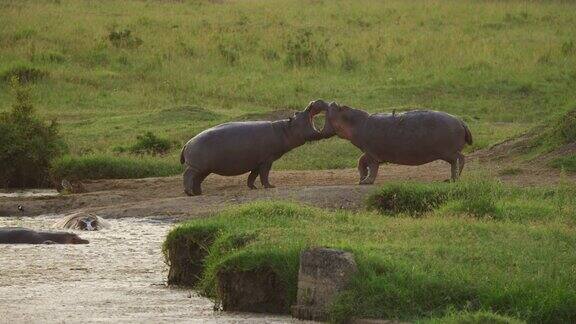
column 411, row 138
column 19, row 235
column 240, row 147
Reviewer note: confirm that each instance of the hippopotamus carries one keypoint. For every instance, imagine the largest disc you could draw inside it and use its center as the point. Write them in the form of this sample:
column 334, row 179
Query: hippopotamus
column 19, row 235
column 410, row 138
column 236, row 148
column 82, row 222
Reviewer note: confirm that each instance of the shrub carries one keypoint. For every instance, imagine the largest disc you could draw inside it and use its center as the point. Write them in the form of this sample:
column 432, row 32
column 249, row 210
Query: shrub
column 411, row 198
column 124, row 39
column 28, row 144
column 23, row 74
column 109, row 167
column 148, row 143
column 304, row 50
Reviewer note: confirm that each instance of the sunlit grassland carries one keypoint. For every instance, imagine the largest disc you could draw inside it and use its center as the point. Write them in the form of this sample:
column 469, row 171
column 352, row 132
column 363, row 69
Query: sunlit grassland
column 502, row 66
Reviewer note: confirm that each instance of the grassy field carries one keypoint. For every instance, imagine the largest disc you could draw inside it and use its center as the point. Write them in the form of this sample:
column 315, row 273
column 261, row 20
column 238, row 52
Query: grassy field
column 481, row 247
column 112, row 70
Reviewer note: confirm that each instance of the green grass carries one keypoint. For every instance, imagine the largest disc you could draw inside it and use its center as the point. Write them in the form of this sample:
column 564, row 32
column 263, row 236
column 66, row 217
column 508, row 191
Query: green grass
column 567, row 163
column 466, row 317
column 94, row 166
column 499, row 65
column 475, row 197
column 430, row 268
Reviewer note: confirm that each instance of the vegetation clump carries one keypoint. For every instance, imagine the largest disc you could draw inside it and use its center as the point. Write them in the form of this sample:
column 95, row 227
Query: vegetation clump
column 305, row 50
column 124, row 39
column 23, row 74
column 412, row 198
column 148, row 143
column 28, row 144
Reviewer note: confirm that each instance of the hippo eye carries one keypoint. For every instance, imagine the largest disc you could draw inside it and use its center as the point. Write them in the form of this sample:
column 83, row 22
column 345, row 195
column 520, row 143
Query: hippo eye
column 290, row 119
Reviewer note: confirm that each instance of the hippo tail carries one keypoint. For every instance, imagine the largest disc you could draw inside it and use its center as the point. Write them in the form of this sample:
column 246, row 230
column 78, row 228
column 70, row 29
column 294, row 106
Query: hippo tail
column 182, row 159
column 467, row 135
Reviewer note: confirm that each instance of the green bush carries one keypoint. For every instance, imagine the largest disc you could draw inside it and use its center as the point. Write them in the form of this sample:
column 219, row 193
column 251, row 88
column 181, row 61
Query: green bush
column 109, row 167
column 148, row 143
column 411, row 198
column 28, row 144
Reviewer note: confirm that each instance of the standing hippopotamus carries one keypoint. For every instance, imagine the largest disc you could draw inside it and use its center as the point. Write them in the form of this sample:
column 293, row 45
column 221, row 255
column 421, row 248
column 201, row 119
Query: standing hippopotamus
column 411, row 138
column 239, row 147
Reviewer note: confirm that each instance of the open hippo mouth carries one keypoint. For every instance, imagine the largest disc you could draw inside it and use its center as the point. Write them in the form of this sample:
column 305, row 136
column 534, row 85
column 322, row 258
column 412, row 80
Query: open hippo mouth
column 318, row 121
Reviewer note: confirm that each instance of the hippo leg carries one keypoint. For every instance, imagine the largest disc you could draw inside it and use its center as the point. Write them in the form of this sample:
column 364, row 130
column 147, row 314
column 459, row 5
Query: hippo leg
column 196, row 184
column 363, row 166
column 264, row 172
column 192, row 182
column 454, row 169
column 188, row 180
column 461, row 163
column 373, row 166
column 252, row 177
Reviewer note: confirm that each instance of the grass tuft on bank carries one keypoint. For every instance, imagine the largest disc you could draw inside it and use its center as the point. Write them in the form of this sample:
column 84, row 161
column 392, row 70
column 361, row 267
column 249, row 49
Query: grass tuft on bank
column 410, row 268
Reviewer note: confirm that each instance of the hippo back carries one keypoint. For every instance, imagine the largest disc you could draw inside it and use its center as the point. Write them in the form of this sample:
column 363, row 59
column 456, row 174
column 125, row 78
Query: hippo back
column 412, row 138
column 233, row 148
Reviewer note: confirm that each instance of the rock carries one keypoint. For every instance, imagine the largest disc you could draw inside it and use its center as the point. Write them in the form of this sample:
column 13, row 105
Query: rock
column 323, row 274
column 257, row 291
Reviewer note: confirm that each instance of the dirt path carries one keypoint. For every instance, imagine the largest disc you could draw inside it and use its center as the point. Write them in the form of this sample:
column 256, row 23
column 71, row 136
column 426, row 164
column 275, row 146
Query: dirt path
column 164, row 197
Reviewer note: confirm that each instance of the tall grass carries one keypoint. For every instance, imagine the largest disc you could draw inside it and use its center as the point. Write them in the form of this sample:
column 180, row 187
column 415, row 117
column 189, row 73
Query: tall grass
column 114, row 67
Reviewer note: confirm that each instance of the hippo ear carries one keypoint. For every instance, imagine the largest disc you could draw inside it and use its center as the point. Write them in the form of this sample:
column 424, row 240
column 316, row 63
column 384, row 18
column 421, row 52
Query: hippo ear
column 334, row 105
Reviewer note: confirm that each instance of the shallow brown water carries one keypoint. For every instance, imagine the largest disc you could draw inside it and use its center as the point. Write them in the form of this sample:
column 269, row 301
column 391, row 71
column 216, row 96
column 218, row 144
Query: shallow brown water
column 118, row 277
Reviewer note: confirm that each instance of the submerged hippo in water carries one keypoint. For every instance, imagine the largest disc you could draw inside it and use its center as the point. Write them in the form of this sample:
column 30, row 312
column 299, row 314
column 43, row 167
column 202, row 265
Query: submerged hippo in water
column 411, row 138
column 239, row 147
column 82, row 222
column 19, row 235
